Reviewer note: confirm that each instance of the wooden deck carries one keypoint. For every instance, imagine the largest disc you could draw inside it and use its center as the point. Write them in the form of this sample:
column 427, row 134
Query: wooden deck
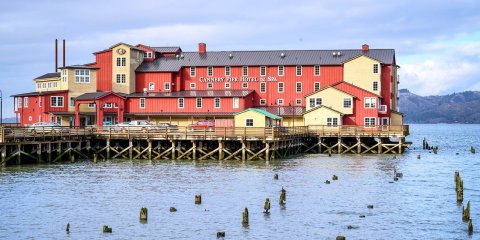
column 19, row 144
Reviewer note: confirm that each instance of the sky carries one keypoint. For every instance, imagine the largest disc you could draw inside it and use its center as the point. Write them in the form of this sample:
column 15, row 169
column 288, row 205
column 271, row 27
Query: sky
column 437, row 43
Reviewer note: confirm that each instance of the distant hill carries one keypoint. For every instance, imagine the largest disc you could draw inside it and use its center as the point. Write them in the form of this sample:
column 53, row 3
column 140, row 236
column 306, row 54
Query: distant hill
column 461, row 107
column 9, row 120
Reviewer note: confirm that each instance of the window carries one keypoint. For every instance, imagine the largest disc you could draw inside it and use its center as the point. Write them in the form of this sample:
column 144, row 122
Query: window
column 107, row 105
column 193, row 85
column 121, row 78
column 216, row 102
column 64, row 75
column 375, row 68
column 40, row 101
column 280, row 87
column 19, row 102
column 72, row 102
column 281, row 70
column 244, row 84
column 55, row 84
column 316, row 70
column 91, row 105
column 280, row 102
column 375, row 86
column 25, row 102
column 227, row 70
column 299, row 87
column 332, row 121
column 44, row 85
column 166, row 86
column 147, row 54
column 209, row 85
column 370, row 103
column 49, row 85
column 193, row 71
column 56, row 101
column 299, row 71
column 316, row 86
column 199, row 102
column 298, row 102
column 263, row 70
column 151, row 86
column 347, row 102
column 210, row 71
column 263, row 101
column 312, row 102
column 29, row 118
column 115, row 105
column 121, row 61
column 39, row 85
column 369, row 122
column 227, row 85
column 249, row 122
column 263, row 87
column 181, row 103
column 236, row 102
column 318, row 101
column 142, row 102
column 245, row 71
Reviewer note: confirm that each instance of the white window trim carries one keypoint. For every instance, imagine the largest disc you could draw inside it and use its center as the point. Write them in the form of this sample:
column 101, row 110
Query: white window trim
column 370, row 103
column 25, row 102
column 209, row 85
column 283, row 87
column 72, row 102
column 227, row 85
column 56, row 100
column 227, row 73
column 91, row 105
column 296, row 87
column 141, row 102
column 349, row 99
column 182, row 101
column 166, row 86
column 209, row 71
column 64, row 75
column 244, row 73
column 369, row 126
column 215, row 102
column 265, row 89
column 265, row 72
column 298, row 102
column 193, row 85
column 121, row 78
column 280, row 100
column 264, row 101
column 151, row 86
column 107, row 105
column 314, row 70
column 244, row 84
column 319, row 86
column 283, row 71
column 201, row 102
column 236, row 103
column 296, row 70
column 378, row 68
column 193, row 71
column 373, row 86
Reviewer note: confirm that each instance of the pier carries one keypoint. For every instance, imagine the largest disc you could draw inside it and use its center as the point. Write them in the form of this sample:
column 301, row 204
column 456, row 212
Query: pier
column 19, row 144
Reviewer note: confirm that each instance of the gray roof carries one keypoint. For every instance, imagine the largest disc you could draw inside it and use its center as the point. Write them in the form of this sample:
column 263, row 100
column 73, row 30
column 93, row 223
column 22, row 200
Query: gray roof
column 49, row 75
column 259, row 58
column 38, row 93
column 95, row 95
column 166, row 49
column 193, row 94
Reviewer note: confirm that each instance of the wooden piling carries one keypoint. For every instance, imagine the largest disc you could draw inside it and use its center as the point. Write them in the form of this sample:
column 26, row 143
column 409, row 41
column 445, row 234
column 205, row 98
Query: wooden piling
column 220, row 234
column 470, row 227
column 107, row 229
column 334, row 177
column 283, row 196
column 68, row 228
column 198, row 199
column 245, row 217
column 266, row 206
column 466, row 213
column 143, row 214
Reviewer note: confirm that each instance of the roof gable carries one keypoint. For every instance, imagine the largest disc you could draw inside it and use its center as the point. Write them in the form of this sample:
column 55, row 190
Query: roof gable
column 328, row 87
column 325, row 107
column 363, row 55
column 337, row 85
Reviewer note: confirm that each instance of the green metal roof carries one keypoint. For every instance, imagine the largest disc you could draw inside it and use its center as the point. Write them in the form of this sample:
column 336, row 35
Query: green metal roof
column 263, row 112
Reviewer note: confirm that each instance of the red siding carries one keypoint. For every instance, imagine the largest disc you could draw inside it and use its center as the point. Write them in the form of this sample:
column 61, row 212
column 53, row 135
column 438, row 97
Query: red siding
column 36, row 112
column 142, row 80
column 104, row 73
column 386, row 88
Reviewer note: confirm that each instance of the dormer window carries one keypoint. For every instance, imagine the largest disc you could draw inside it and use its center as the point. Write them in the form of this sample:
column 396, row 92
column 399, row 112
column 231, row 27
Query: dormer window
column 147, row 55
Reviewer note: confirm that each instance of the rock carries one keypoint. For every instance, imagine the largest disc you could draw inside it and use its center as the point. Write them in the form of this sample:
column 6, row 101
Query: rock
column 395, row 179
column 399, row 174
column 362, row 216
column 418, row 156
column 275, row 177
column 327, row 182
column 370, row 206
column 340, row 238
column 172, row 209
column 334, row 177
column 470, row 227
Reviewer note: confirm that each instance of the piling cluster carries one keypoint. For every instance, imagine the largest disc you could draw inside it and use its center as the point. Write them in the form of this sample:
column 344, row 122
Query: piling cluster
column 472, row 150
column 426, row 146
column 465, row 210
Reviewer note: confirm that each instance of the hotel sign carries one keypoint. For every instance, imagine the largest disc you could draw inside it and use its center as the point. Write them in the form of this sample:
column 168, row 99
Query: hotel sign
column 240, row 79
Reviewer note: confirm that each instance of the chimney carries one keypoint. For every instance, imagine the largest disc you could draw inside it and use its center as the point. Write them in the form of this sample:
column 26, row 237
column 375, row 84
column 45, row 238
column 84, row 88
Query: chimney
column 56, row 55
column 63, row 52
column 202, row 48
column 365, row 47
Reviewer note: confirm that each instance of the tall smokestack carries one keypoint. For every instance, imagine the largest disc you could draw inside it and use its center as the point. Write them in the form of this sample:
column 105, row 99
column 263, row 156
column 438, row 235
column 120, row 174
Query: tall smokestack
column 56, row 55
column 63, row 52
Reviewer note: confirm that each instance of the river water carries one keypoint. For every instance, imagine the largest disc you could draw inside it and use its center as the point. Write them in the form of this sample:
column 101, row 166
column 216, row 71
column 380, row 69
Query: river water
column 37, row 201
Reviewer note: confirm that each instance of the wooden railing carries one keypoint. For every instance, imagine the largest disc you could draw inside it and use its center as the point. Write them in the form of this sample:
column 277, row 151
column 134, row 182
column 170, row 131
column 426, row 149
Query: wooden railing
column 16, row 134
